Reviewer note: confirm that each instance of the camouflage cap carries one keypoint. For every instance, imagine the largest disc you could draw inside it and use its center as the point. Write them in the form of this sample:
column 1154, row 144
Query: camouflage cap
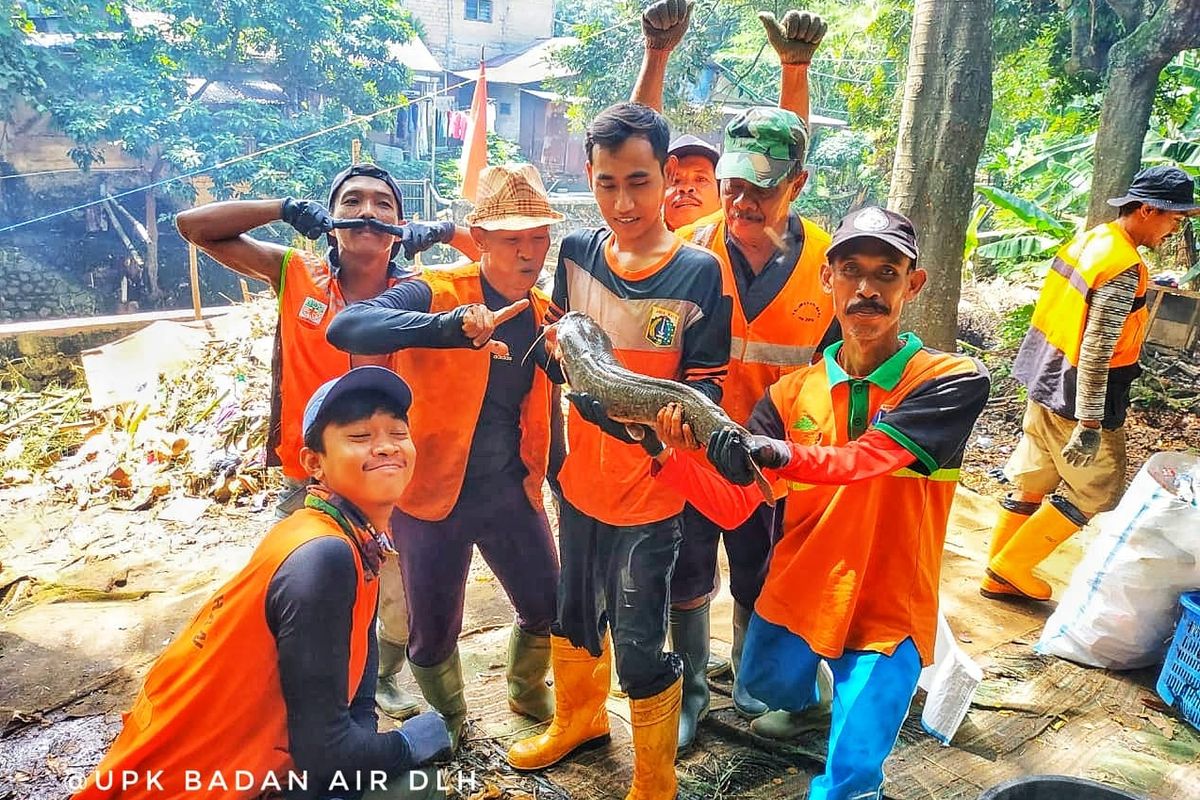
column 762, row 145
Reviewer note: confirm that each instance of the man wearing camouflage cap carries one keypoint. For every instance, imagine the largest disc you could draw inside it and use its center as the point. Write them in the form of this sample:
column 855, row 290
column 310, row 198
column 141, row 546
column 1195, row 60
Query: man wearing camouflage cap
column 770, row 262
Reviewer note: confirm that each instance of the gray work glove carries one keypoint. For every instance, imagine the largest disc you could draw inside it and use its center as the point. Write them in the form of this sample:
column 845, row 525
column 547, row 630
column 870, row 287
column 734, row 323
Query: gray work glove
column 426, row 737
column 308, row 217
column 796, row 36
column 665, row 22
column 1080, row 450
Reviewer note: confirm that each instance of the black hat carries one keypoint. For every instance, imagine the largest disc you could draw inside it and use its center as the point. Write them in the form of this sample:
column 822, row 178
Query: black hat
column 369, row 171
column 879, row 224
column 1165, row 188
column 688, row 145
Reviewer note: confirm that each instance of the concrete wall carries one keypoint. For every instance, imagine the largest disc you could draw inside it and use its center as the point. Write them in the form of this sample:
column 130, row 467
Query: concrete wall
column 456, row 40
column 29, row 143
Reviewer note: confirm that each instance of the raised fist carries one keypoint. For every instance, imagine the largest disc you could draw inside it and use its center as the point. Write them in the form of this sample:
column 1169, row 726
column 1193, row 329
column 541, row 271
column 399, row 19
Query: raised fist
column 665, row 22
column 796, row 36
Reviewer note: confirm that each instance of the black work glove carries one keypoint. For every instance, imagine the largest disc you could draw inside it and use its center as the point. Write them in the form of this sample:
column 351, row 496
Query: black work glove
column 427, row 738
column 647, row 438
column 308, row 217
column 417, row 237
column 593, row 411
column 734, row 454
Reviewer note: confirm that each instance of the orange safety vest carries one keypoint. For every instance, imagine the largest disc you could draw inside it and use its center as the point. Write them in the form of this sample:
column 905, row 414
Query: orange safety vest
column 309, row 297
column 1049, row 356
column 785, row 335
column 857, row 566
column 212, row 703
column 448, row 389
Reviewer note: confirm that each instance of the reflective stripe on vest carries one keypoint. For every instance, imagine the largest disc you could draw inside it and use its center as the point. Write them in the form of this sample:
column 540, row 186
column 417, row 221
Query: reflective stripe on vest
column 448, row 389
column 784, row 336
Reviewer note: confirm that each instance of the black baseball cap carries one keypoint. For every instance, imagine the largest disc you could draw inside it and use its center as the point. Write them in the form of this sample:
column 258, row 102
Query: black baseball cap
column 688, row 145
column 879, row 224
column 369, row 171
column 1166, row 188
column 379, row 379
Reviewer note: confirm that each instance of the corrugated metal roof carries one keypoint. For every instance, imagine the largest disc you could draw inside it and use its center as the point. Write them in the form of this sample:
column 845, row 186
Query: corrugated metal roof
column 414, row 55
column 532, row 65
column 221, row 92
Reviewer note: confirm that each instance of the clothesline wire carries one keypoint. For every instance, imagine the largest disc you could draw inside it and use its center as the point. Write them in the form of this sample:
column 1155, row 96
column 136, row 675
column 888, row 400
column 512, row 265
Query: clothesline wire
column 353, row 120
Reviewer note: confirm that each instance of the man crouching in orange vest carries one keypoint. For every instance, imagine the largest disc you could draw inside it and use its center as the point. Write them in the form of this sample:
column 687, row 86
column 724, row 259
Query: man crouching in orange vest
column 866, row 444
column 482, row 418
column 269, row 690
column 1078, row 362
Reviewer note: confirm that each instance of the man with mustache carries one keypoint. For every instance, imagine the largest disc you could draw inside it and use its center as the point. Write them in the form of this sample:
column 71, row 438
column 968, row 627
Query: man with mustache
column 1078, row 362
column 483, row 413
column 866, row 444
column 770, row 258
column 692, row 194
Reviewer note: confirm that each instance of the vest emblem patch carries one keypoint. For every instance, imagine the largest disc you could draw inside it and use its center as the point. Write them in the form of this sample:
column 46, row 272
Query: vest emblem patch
column 806, row 431
column 312, row 311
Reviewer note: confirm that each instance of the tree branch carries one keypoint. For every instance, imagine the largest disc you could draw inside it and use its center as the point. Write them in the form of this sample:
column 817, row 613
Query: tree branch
column 1131, row 12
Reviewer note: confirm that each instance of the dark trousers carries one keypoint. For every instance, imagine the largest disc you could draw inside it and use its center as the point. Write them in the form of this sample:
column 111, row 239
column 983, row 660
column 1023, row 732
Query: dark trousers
column 514, row 539
column 748, row 548
column 618, row 578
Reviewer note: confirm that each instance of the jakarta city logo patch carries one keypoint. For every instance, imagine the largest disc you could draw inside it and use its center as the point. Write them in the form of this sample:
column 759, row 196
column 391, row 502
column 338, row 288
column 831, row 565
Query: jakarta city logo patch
column 313, row 311
column 806, row 431
column 663, row 327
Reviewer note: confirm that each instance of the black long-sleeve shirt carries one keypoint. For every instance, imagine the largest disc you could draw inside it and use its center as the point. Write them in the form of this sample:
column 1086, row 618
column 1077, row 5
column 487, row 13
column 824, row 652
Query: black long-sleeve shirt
column 309, row 609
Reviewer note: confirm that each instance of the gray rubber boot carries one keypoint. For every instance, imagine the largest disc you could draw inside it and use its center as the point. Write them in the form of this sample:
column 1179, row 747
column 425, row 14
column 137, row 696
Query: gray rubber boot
column 528, row 663
column 442, row 685
column 390, row 696
column 689, row 640
column 793, row 724
column 746, row 705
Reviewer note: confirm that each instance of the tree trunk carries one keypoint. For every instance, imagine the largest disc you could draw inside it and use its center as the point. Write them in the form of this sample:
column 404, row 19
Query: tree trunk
column 943, row 124
column 1133, row 68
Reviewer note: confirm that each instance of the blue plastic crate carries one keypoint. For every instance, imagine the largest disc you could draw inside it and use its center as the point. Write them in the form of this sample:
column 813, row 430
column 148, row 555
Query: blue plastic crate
column 1179, row 683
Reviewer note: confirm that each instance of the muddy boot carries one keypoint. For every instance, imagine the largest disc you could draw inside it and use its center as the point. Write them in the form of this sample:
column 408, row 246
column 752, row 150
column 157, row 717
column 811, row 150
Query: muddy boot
column 442, row 685
column 786, row 725
column 528, row 662
column 717, row 665
column 689, row 640
column 390, row 696
column 1052, row 524
column 1013, row 514
column 747, row 706
column 581, row 684
column 655, row 738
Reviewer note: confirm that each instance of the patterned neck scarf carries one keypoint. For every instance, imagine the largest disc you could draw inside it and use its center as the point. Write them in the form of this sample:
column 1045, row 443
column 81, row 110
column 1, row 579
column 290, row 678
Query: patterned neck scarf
column 374, row 546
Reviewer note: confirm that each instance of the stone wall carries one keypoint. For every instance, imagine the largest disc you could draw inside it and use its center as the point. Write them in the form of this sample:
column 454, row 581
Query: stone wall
column 29, row 290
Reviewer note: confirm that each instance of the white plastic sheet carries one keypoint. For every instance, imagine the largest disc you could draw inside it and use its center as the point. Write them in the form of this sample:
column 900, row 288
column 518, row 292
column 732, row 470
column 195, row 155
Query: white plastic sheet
column 1120, row 608
column 950, row 683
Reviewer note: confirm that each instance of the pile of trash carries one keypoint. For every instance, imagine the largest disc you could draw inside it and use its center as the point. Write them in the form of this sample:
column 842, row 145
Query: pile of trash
column 179, row 409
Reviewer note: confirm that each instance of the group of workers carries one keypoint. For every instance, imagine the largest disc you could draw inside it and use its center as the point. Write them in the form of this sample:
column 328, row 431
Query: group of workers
column 412, row 428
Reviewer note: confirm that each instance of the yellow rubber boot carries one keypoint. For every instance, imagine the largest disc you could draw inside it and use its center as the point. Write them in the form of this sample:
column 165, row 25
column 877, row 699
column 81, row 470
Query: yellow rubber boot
column 655, row 737
column 1049, row 527
column 581, row 684
column 1013, row 514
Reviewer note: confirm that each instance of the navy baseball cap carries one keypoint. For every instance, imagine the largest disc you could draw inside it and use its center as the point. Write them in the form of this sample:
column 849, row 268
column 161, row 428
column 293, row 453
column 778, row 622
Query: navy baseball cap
column 688, row 145
column 879, row 224
column 379, row 379
column 1165, row 188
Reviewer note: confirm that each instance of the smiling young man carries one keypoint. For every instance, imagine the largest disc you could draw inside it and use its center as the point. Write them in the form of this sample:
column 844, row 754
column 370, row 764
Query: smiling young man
column 486, row 412
column 1078, row 362
column 270, row 686
column 659, row 299
column 312, row 290
column 866, row 444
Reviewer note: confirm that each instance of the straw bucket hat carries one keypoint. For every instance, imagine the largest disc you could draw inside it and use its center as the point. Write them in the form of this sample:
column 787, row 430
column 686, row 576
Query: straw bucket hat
column 512, row 198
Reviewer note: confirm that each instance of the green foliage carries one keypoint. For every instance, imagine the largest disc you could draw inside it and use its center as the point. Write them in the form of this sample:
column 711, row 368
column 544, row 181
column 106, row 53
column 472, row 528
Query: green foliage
column 1015, row 325
column 128, row 85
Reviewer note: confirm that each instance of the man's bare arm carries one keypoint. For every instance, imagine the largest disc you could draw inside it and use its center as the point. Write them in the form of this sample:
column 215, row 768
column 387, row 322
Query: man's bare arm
column 795, row 38
column 220, row 230
column 663, row 24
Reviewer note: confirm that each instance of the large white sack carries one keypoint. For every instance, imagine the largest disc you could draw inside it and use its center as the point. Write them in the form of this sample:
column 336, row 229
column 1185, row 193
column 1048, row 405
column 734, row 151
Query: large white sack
column 1120, row 608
